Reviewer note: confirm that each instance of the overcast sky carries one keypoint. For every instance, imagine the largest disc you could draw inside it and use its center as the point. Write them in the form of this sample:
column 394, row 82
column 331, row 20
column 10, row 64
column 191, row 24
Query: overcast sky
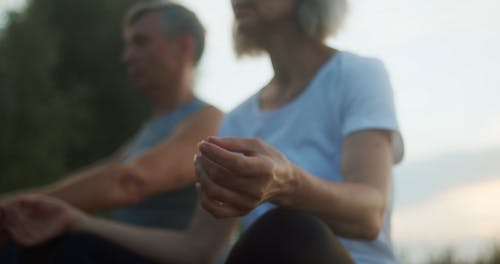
column 443, row 57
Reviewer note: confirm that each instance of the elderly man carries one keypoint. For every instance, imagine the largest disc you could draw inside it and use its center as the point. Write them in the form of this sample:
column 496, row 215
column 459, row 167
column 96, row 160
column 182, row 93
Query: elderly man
column 150, row 181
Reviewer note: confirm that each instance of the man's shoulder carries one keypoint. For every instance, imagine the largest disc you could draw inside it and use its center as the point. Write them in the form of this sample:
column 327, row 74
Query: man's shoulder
column 207, row 113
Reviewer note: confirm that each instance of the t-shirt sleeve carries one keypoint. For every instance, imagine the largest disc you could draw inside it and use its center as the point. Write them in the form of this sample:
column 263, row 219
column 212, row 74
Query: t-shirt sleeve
column 369, row 103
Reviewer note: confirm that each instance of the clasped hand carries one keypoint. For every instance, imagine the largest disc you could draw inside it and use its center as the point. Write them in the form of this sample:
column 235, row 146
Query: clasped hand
column 235, row 175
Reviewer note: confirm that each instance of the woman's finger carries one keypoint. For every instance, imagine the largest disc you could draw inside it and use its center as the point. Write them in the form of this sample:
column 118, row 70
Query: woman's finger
column 246, row 146
column 219, row 209
column 217, row 193
column 233, row 162
column 222, row 177
column 198, row 167
column 227, row 159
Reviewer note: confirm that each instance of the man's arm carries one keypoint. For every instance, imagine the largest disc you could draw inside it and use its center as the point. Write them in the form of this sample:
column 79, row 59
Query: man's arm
column 76, row 187
column 165, row 167
column 200, row 243
column 169, row 166
column 32, row 220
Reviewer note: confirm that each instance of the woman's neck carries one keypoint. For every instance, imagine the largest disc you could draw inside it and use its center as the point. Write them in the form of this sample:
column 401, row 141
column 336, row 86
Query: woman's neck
column 296, row 60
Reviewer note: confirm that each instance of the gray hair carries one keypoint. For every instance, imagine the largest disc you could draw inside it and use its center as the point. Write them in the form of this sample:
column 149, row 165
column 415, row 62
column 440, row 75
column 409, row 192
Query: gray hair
column 176, row 20
column 316, row 19
column 319, row 19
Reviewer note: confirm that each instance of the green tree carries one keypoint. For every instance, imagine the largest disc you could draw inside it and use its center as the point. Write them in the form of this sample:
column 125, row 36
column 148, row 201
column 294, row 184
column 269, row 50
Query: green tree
column 64, row 97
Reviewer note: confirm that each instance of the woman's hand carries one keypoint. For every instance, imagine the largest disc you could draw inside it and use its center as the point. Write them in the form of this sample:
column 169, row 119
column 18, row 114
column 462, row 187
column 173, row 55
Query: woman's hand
column 235, row 175
column 34, row 219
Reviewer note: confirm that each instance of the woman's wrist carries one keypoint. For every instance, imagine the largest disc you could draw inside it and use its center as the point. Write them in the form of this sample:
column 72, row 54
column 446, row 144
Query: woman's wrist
column 289, row 187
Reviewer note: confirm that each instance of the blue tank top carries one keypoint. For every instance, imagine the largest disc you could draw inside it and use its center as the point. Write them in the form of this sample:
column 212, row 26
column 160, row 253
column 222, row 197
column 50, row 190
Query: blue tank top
column 174, row 209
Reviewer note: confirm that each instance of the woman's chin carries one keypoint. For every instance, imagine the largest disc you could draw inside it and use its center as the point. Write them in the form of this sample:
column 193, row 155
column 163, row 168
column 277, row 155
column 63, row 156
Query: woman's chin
column 247, row 26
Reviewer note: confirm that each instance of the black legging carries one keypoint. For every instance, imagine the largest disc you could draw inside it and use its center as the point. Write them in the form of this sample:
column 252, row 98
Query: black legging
column 288, row 236
column 81, row 249
column 280, row 236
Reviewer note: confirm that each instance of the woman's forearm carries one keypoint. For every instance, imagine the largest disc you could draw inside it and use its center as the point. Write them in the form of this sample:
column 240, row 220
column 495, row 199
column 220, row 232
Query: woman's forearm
column 352, row 210
column 355, row 207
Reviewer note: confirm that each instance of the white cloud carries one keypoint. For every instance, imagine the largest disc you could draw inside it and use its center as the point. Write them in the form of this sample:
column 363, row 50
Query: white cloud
column 466, row 217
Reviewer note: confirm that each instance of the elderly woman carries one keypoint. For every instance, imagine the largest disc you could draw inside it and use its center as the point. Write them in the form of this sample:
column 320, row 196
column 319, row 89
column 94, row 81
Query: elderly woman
column 319, row 139
column 306, row 162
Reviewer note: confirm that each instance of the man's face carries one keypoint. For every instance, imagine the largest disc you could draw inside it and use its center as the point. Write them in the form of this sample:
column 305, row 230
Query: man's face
column 151, row 58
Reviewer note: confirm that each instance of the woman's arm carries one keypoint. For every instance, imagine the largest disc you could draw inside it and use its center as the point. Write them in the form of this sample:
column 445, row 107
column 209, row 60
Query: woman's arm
column 232, row 184
column 354, row 208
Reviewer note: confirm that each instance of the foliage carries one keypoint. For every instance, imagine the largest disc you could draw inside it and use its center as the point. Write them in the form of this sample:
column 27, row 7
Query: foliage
column 64, row 98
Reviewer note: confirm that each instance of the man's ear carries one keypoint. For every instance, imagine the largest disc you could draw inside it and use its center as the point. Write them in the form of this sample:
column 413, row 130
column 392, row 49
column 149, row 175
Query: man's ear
column 186, row 48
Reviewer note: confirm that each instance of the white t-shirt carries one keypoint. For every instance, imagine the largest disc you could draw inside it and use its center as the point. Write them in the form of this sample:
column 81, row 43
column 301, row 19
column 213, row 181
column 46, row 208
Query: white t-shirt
column 348, row 94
